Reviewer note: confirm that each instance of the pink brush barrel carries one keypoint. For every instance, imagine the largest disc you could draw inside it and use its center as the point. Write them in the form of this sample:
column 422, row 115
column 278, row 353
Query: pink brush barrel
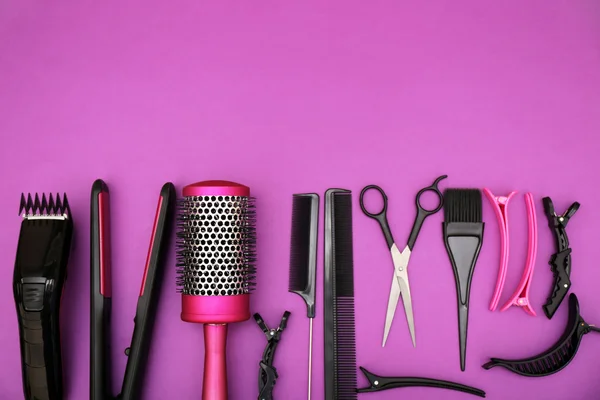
column 216, row 249
column 500, row 206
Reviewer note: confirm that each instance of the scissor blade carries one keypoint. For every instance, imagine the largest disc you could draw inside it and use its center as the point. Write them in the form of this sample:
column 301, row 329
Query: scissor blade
column 407, row 300
column 401, row 270
column 391, row 308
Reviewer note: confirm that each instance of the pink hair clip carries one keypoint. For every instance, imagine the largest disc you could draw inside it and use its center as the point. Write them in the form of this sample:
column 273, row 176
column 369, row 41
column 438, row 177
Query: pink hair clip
column 521, row 296
column 500, row 205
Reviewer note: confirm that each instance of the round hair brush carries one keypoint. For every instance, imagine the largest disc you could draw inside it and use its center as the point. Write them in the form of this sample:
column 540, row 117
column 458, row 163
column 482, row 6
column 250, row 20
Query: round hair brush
column 216, row 268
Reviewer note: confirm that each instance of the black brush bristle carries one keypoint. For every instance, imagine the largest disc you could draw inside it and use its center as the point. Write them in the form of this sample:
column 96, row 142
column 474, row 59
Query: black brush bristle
column 303, row 248
column 462, row 205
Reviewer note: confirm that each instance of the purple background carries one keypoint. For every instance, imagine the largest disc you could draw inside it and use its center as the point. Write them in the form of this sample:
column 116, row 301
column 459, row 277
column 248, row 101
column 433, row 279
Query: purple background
column 301, row 96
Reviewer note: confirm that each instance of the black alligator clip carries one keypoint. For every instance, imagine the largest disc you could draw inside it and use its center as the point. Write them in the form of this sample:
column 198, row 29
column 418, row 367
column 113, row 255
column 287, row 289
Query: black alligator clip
column 560, row 262
column 379, row 383
column 267, row 374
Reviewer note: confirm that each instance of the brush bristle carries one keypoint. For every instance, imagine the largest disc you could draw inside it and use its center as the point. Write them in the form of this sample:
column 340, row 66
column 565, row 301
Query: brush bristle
column 462, row 205
column 216, row 243
column 300, row 246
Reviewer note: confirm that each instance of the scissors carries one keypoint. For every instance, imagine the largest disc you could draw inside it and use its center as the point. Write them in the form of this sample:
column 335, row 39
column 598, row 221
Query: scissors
column 400, row 284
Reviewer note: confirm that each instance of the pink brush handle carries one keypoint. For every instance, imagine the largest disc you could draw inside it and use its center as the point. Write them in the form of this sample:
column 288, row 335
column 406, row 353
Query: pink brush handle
column 215, row 367
column 500, row 206
column 521, row 296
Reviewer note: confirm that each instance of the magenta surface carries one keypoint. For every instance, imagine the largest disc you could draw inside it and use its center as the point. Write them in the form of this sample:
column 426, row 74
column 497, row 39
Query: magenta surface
column 215, row 309
column 288, row 97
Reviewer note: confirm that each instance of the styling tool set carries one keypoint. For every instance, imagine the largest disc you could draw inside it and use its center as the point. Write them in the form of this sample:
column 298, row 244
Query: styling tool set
column 216, row 273
column 101, row 304
column 39, row 277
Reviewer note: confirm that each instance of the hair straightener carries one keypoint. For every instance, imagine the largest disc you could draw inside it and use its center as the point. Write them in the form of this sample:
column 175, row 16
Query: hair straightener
column 137, row 353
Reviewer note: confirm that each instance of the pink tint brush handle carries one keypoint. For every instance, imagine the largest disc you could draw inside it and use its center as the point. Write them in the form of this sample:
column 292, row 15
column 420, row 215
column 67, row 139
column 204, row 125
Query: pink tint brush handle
column 521, row 296
column 500, row 206
column 215, row 366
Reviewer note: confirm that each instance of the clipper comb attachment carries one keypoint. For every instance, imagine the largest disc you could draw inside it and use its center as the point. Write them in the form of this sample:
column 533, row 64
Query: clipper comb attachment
column 47, row 207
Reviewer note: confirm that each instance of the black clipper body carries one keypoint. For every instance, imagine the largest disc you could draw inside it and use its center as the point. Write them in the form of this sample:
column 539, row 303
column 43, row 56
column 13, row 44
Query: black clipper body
column 38, row 280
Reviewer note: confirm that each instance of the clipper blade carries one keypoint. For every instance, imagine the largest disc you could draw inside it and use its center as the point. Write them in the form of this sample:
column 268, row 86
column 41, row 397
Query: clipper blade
column 48, row 206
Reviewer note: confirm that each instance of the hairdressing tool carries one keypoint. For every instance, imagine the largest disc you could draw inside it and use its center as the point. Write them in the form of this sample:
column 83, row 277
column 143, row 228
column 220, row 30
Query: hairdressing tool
column 303, row 259
column 216, row 267
column 400, row 283
column 500, row 206
column 338, row 298
column 520, row 297
column 267, row 374
column 463, row 235
column 38, row 279
column 560, row 262
column 379, row 383
column 101, row 293
column 558, row 356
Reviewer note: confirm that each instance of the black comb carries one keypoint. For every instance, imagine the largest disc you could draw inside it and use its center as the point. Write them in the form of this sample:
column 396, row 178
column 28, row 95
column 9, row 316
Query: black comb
column 303, row 248
column 558, row 356
column 340, row 337
column 463, row 235
column 303, row 258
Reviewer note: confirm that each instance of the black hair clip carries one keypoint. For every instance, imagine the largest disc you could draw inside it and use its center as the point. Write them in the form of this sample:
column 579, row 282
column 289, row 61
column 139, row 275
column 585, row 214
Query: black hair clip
column 379, row 383
column 559, row 355
column 560, row 262
column 267, row 374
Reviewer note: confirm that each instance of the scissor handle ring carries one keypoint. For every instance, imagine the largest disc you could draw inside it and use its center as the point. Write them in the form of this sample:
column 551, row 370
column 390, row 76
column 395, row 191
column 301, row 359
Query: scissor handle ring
column 433, row 188
column 383, row 211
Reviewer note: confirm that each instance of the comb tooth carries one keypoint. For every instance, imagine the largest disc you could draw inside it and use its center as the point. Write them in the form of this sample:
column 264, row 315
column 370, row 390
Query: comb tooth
column 58, row 204
column 44, row 205
column 29, row 205
column 23, row 204
column 36, row 205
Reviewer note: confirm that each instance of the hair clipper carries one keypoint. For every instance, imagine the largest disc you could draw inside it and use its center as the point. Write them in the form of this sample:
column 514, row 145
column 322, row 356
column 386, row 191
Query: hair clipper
column 39, row 276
